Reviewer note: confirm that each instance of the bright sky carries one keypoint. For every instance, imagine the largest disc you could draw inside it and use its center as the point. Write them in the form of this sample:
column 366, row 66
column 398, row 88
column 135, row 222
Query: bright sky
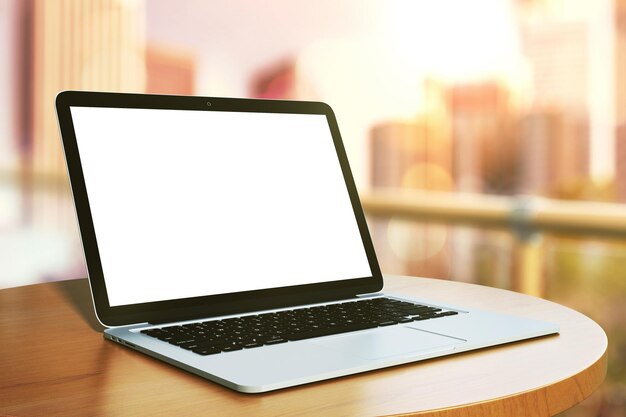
column 368, row 58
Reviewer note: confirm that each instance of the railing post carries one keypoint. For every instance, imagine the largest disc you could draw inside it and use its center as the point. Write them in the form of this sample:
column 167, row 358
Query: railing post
column 528, row 265
column 527, row 271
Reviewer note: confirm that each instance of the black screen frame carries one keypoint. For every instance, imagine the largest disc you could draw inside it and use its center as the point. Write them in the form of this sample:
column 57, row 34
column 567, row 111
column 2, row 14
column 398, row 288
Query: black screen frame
column 211, row 305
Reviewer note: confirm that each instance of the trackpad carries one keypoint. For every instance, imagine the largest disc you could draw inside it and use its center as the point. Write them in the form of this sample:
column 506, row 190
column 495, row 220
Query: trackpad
column 392, row 341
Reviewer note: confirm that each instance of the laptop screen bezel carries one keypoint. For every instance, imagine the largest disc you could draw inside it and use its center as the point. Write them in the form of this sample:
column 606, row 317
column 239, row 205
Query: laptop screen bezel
column 210, row 305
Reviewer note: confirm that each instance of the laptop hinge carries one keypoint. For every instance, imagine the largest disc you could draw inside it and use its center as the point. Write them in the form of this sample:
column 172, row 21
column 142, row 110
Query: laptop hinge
column 370, row 295
column 241, row 313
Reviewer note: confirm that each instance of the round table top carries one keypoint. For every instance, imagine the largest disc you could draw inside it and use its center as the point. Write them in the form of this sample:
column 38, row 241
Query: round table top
column 56, row 362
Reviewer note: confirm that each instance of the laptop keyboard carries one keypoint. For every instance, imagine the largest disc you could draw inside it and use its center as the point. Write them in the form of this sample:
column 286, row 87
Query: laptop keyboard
column 246, row 332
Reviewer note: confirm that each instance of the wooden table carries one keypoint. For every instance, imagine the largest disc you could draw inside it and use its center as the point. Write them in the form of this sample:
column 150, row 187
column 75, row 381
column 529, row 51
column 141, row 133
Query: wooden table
column 54, row 361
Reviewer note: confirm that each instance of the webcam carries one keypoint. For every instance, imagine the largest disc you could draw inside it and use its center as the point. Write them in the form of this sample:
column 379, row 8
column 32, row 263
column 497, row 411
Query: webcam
column 208, row 103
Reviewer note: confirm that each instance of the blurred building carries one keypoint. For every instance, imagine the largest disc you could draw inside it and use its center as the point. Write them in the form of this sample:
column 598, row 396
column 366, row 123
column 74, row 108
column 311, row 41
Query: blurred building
column 620, row 60
column 620, row 162
column 68, row 45
column 170, row 71
column 484, row 144
column 559, row 78
column 279, row 81
column 78, row 45
column 60, row 45
column 407, row 154
column 620, row 99
column 554, row 152
column 569, row 48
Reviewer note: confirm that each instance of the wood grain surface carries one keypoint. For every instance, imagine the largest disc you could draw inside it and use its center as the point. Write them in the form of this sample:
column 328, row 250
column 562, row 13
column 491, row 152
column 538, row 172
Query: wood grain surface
column 55, row 362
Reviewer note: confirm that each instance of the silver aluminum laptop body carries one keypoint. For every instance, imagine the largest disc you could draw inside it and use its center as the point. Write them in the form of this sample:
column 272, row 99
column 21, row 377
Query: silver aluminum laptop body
column 300, row 362
column 195, row 209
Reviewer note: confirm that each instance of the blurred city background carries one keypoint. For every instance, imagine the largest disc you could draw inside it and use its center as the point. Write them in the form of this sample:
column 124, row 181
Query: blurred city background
column 487, row 137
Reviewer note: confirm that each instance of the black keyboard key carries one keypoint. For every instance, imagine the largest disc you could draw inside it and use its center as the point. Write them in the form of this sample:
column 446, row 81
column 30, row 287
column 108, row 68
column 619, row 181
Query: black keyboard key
column 236, row 333
column 190, row 346
column 232, row 348
column 206, row 351
column 153, row 332
column 329, row 331
column 179, row 342
column 275, row 341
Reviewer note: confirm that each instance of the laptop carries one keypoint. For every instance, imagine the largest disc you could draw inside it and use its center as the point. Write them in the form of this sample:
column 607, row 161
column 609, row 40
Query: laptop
column 225, row 236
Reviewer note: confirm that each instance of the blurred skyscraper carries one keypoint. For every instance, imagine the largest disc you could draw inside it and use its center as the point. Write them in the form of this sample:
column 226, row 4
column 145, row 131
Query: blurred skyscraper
column 620, row 101
column 71, row 44
column 569, row 51
column 483, row 142
column 74, row 44
column 558, row 54
column 554, row 152
column 170, row 71
column 278, row 81
column 620, row 156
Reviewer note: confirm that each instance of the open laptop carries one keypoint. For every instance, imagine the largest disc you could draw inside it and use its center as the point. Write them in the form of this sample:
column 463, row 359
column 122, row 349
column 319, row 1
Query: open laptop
column 225, row 236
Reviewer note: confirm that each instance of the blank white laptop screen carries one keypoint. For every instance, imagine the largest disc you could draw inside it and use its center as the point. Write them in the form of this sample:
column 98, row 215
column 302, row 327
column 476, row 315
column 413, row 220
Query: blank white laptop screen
column 193, row 203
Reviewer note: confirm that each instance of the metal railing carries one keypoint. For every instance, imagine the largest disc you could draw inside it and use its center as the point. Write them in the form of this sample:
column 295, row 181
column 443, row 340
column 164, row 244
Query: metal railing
column 527, row 217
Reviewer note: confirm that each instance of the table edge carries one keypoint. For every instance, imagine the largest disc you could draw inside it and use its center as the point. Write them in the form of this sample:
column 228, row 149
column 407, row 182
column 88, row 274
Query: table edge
column 539, row 398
